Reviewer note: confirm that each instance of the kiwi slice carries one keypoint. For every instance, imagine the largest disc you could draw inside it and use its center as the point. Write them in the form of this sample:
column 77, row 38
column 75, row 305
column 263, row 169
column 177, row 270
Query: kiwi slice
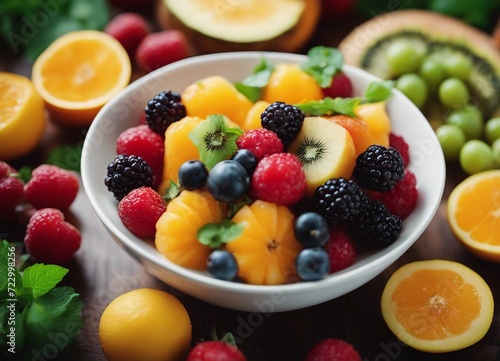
column 215, row 139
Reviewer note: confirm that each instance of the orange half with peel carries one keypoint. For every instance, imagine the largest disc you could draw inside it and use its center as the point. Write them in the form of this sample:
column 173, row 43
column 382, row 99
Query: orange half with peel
column 78, row 73
column 474, row 214
column 437, row 306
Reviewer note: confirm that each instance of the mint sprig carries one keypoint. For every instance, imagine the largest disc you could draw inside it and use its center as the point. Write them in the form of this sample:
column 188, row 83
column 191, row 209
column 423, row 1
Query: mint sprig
column 251, row 86
column 322, row 64
column 215, row 235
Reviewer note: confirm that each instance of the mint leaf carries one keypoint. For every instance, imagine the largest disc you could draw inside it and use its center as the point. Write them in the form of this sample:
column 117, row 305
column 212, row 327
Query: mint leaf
column 330, row 106
column 251, row 86
column 322, row 64
column 66, row 156
column 42, row 278
column 215, row 235
column 378, row 91
column 252, row 93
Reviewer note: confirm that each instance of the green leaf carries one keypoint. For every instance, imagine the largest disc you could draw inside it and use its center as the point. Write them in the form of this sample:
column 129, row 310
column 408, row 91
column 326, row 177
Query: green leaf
column 66, row 156
column 251, row 86
column 91, row 14
column 215, row 235
column 252, row 93
column 330, row 106
column 10, row 278
column 378, row 91
column 24, row 174
column 322, row 64
column 214, row 139
column 42, row 278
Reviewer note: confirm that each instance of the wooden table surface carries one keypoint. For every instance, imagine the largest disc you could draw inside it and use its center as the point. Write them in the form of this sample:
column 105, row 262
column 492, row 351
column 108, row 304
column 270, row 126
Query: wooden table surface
column 102, row 271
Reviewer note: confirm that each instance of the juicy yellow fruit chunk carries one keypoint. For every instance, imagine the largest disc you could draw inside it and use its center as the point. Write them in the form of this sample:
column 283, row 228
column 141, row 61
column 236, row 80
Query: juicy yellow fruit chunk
column 289, row 84
column 375, row 116
column 253, row 120
column 176, row 230
column 267, row 248
column 437, row 305
column 216, row 95
column 325, row 149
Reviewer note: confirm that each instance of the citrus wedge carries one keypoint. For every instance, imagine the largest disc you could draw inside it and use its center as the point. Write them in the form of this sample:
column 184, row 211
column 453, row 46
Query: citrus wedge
column 474, row 214
column 22, row 116
column 437, row 306
column 78, row 73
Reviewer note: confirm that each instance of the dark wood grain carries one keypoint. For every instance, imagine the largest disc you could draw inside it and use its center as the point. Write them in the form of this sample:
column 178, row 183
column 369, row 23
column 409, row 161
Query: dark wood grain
column 102, row 271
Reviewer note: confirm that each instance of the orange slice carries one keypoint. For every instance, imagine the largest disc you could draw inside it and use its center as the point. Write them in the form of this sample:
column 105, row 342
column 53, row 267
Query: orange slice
column 22, row 116
column 474, row 214
column 78, row 73
column 437, row 305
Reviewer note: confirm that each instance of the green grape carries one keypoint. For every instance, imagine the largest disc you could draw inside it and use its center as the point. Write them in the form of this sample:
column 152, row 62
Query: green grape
column 453, row 93
column 458, row 66
column 414, row 87
column 452, row 139
column 402, row 58
column 433, row 73
column 496, row 152
column 469, row 119
column 492, row 129
column 476, row 156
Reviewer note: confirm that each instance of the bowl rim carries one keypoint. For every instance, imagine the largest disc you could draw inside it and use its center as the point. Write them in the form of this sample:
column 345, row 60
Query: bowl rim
column 393, row 252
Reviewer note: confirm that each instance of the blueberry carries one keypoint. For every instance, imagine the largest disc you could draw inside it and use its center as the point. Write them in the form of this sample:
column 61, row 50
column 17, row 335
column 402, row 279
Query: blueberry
column 312, row 264
column 311, row 229
column 192, row 175
column 247, row 159
column 228, row 181
column 222, row 265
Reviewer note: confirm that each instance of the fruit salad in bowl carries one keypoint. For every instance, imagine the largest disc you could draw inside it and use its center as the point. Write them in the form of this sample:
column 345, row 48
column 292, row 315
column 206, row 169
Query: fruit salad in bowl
column 263, row 181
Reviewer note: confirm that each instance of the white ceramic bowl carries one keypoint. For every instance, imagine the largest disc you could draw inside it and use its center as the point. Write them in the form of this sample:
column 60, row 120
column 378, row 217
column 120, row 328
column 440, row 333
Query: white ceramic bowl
column 123, row 111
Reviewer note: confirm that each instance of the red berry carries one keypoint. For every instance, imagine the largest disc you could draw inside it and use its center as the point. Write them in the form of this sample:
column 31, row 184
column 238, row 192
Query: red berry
column 333, row 349
column 11, row 192
column 341, row 87
column 279, row 178
column 49, row 238
column 215, row 351
column 161, row 48
column 402, row 198
column 51, row 187
column 340, row 249
column 139, row 211
column 398, row 142
column 129, row 29
column 260, row 142
column 145, row 143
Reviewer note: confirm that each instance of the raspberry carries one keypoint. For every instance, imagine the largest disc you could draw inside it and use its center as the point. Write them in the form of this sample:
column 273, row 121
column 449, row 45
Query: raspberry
column 161, row 48
column 51, row 187
column 341, row 87
column 333, row 349
column 338, row 200
column 11, row 192
column 164, row 109
column 378, row 168
column 279, row 178
column 284, row 119
column 129, row 29
column 340, row 249
column 139, row 211
column 402, row 199
column 49, row 238
column 215, row 351
column 399, row 143
column 145, row 143
column 127, row 172
column 260, row 142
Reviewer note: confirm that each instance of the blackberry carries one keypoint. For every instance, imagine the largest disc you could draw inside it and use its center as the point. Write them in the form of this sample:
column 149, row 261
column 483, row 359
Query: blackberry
column 374, row 225
column 164, row 109
column 379, row 168
column 338, row 200
column 127, row 172
column 284, row 119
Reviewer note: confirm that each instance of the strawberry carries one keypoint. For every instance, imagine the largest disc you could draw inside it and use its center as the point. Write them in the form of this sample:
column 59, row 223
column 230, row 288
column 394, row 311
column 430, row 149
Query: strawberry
column 129, row 29
column 340, row 249
column 341, row 86
column 260, row 142
column 51, row 187
column 49, row 238
column 161, row 48
column 145, row 143
column 139, row 211
column 11, row 192
column 279, row 178
column 333, row 349
column 215, row 351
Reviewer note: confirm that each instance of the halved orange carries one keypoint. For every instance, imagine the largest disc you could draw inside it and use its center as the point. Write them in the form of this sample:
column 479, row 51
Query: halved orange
column 22, row 116
column 437, row 306
column 78, row 73
column 474, row 214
